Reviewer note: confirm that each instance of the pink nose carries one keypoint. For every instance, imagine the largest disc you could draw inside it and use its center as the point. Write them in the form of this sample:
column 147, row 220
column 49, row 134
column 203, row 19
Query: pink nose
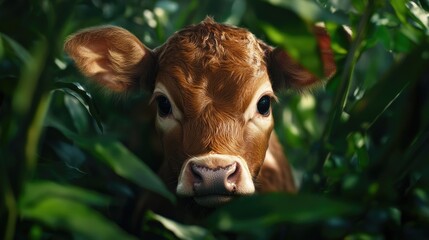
column 214, row 181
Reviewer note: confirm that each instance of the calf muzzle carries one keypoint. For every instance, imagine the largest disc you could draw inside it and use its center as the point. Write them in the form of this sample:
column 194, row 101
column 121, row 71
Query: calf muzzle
column 220, row 180
column 215, row 179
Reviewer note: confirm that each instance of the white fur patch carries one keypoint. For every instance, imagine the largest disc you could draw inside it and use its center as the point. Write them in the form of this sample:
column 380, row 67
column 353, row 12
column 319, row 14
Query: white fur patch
column 166, row 124
column 252, row 116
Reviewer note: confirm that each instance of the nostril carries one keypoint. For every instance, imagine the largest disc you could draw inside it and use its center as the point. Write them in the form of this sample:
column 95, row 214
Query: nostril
column 233, row 173
column 196, row 173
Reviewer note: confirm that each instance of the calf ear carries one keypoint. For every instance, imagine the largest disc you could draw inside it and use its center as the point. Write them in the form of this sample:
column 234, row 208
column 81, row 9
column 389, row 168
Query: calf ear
column 112, row 57
column 288, row 73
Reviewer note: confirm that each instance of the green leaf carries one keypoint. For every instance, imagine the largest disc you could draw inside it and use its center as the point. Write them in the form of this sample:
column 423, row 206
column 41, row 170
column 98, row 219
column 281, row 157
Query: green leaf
column 287, row 30
column 119, row 158
column 414, row 158
column 75, row 217
column 16, row 48
column 413, row 18
column 65, row 207
column 68, row 166
column 420, row 15
column 77, row 91
column 2, row 50
column 36, row 191
column 359, row 5
column 400, row 9
column 358, row 142
column 125, row 164
column 367, row 110
column 289, row 25
column 310, row 11
column 78, row 115
column 181, row 231
column 343, row 89
column 262, row 211
column 30, row 76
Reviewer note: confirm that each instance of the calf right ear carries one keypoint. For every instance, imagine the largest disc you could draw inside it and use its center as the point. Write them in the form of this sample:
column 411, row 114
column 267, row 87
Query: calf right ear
column 286, row 72
column 112, row 57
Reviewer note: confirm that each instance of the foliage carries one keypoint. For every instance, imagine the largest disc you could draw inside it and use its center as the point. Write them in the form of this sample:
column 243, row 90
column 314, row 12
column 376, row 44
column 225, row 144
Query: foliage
column 70, row 161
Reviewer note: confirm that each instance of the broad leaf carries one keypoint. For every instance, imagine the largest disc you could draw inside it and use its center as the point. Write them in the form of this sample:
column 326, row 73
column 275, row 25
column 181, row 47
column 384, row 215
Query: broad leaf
column 181, row 231
column 287, row 30
column 66, row 214
column 262, row 211
column 119, row 158
column 289, row 25
column 77, row 113
column 36, row 191
column 19, row 51
column 77, row 91
column 371, row 105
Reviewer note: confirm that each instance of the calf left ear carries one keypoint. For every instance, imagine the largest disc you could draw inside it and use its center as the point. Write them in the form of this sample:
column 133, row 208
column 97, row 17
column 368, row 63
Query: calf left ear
column 112, row 57
column 286, row 72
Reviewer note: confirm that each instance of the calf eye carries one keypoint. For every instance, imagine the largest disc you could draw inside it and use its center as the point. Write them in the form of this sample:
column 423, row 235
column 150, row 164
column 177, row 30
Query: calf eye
column 164, row 106
column 264, row 105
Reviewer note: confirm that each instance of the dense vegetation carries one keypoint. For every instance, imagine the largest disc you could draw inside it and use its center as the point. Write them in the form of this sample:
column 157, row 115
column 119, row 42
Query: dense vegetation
column 74, row 162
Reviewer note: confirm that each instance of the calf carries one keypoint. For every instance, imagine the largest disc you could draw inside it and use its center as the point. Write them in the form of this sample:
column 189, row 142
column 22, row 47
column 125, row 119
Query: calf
column 213, row 85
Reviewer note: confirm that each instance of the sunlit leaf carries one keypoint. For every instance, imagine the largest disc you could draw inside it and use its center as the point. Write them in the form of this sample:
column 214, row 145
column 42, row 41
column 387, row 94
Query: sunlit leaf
column 400, row 9
column 341, row 39
column 359, row 146
column 420, row 15
column 262, row 211
column 287, row 30
column 411, row 16
column 181, row 231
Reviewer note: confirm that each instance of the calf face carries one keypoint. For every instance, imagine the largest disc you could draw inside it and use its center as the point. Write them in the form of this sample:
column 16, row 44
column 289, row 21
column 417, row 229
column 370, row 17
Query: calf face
column 213, row 86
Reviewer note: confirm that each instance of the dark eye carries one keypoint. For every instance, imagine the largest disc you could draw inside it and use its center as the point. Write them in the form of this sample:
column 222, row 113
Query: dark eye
column 164, row 106
column 264, row 105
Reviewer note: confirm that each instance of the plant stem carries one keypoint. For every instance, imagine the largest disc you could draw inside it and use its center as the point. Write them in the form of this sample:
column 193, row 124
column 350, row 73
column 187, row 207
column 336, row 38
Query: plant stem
column 11, row 207
column 342, row 93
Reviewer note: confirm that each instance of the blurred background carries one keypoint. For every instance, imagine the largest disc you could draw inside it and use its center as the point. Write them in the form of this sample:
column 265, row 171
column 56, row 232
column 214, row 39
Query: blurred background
column 74, row 160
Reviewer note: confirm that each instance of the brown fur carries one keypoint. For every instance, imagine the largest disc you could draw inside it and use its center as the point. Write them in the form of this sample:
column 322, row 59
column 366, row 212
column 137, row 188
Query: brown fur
column 212, row 64
column 272, row 178
column 291, row 74
column 103, row 55
column 212, row 72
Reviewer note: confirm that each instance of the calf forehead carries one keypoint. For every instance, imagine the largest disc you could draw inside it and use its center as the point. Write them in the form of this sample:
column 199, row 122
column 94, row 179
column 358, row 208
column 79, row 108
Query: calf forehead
column 212, row 65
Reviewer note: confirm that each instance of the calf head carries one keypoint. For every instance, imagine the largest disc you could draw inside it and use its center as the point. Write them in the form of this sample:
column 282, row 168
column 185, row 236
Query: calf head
column 213, row 85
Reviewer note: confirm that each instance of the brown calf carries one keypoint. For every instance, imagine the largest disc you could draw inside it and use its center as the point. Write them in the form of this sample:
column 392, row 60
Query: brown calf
column 213, row 85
